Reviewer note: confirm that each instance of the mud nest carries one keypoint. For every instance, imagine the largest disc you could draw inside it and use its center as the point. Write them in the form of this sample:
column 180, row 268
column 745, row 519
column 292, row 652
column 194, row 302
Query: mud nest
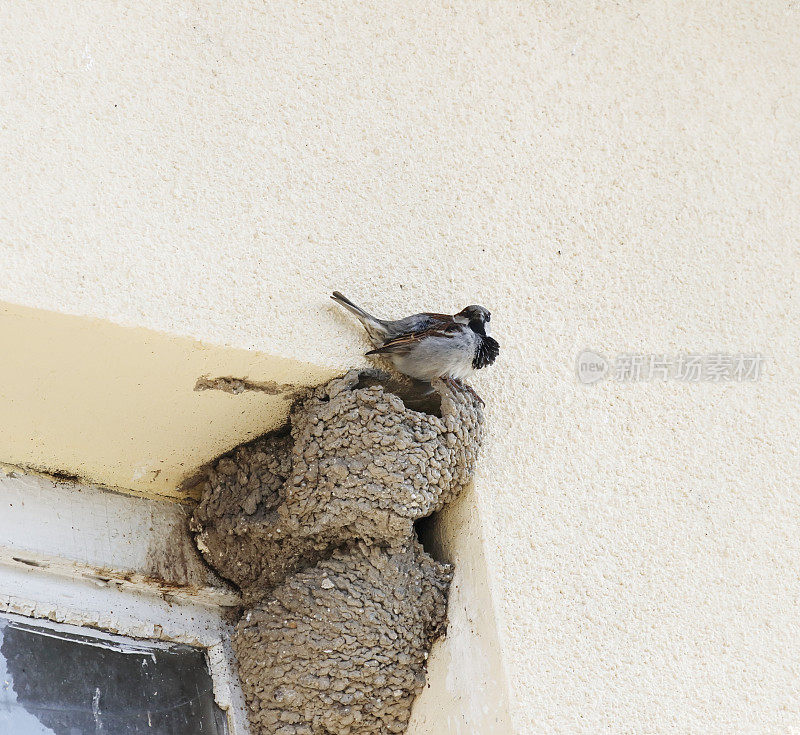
column 315, row 525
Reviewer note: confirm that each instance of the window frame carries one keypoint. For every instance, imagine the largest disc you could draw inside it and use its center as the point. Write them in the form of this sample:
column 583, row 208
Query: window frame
column 98, row 600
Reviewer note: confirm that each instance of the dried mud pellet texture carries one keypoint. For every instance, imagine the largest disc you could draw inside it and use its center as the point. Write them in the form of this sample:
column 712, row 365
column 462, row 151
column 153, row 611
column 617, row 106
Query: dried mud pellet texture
column 341, row 647
column 315, row 525
column 358, row 465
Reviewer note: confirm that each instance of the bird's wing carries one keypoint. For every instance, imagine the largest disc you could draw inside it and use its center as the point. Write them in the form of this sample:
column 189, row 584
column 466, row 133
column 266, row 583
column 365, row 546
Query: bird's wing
column 438, row 317
column 405, row 342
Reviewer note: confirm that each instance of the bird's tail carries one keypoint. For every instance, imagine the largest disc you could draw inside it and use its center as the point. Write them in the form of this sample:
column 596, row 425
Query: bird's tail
column 376, row 329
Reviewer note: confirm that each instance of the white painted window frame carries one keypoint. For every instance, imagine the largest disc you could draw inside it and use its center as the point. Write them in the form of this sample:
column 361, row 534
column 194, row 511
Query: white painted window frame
column 75, row 555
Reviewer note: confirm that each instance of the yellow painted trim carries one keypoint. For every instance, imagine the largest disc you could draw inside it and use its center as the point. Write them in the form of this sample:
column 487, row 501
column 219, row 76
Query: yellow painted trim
column 117, row 405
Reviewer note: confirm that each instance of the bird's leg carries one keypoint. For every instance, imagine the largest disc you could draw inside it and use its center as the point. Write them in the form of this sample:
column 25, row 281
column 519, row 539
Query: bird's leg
column 469, row 389
column 449, row 382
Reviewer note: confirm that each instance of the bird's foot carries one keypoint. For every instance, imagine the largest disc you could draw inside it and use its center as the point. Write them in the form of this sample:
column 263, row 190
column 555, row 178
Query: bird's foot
column 449, row 383
column 469, row 389
column 457, row 386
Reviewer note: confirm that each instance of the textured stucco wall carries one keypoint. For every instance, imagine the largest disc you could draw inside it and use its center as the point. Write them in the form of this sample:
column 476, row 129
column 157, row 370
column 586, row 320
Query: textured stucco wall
column 625, row 178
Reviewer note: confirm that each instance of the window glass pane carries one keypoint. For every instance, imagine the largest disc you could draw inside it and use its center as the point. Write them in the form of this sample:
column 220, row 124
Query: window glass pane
column 64, row 683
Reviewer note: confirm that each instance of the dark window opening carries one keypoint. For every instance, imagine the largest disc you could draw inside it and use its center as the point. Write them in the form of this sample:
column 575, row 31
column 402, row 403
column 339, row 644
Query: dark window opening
column 63, row 683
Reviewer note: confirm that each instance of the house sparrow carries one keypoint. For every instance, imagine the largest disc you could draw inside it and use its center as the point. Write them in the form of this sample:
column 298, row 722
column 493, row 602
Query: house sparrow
column 428, row 347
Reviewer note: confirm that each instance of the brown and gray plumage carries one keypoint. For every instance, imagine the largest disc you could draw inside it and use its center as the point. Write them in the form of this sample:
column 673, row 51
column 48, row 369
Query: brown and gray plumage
column 430, row 346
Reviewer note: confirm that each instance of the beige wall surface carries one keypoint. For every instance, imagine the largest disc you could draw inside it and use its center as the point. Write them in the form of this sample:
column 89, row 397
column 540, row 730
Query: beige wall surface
column 623, row 177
